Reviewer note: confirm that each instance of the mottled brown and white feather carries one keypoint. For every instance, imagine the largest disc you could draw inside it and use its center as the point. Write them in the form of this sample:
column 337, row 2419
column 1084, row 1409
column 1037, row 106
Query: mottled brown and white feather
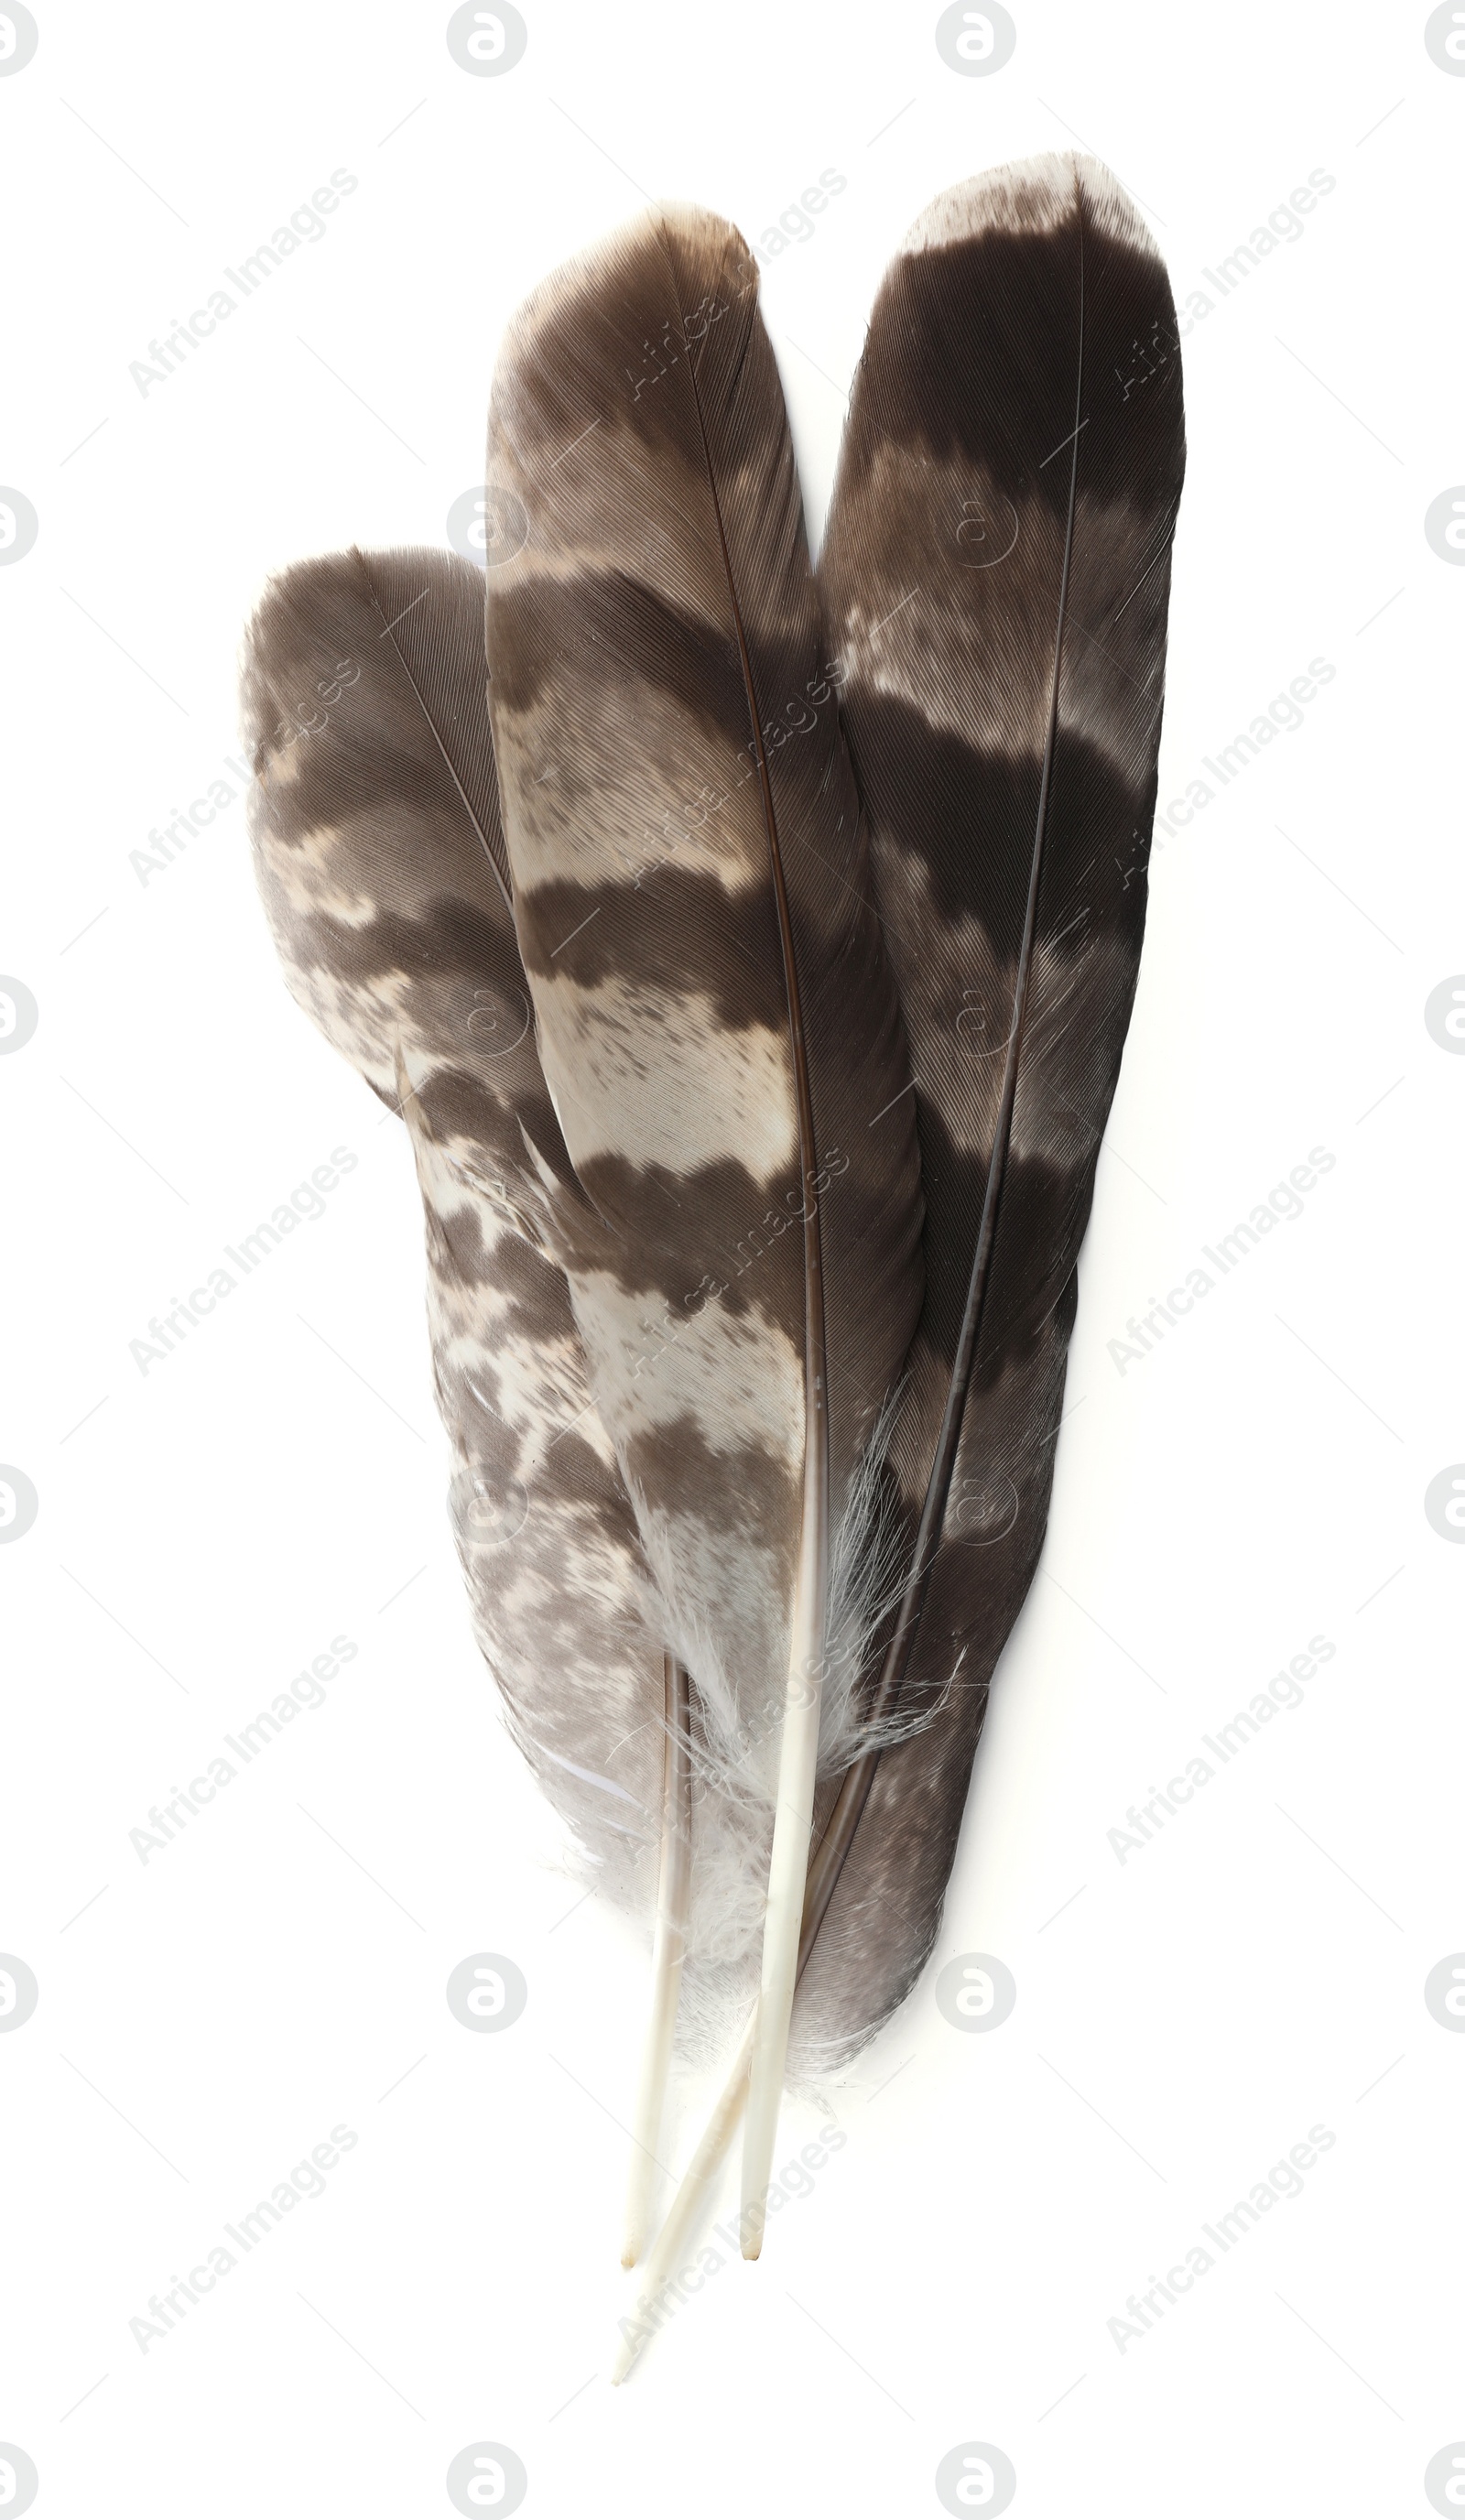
column 669, row 751
column 717, row 1018
column 378, row 851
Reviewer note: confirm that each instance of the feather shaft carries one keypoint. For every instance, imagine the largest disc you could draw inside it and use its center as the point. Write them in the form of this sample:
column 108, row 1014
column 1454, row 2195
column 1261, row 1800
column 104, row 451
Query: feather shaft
column 948, row 1437
column 798, row 1746
column 696, row 2188
column 691, row 2200
column 667, row 1951
column 495, row 855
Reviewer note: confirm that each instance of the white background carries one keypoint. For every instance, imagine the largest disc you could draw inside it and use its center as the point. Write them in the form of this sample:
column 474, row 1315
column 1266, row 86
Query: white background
column 205, row 1529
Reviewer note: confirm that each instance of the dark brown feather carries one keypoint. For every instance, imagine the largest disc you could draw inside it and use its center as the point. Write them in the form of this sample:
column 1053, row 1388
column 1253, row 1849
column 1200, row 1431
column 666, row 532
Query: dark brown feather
column 994, row 578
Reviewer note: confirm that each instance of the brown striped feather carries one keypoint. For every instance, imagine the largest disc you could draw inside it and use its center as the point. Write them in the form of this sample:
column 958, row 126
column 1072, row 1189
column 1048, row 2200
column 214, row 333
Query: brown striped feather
column 717, row 1018
column 379, row 849
column 994, row 579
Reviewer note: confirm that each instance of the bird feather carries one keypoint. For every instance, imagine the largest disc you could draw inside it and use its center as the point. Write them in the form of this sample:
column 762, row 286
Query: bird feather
column 378, row 852
column 718, row 1022
column 996, row 580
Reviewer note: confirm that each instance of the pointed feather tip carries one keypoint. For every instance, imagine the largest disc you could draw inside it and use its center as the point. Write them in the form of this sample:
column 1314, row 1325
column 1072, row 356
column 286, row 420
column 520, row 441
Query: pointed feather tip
column 1033, row 197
